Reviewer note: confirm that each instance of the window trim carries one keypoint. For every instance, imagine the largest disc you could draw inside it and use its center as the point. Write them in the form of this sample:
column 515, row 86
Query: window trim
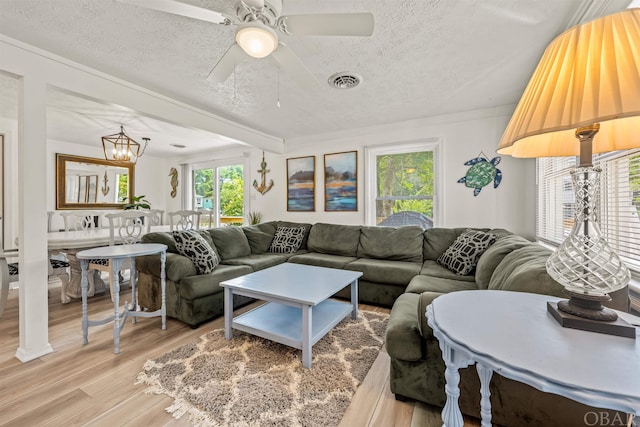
column 371, row 152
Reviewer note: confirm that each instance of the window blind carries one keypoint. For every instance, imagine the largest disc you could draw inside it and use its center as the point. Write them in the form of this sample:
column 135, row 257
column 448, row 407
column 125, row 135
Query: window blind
column 618, row 201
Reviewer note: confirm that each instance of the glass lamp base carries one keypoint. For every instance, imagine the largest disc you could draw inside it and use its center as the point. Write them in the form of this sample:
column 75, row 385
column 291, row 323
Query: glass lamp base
column 588, row 307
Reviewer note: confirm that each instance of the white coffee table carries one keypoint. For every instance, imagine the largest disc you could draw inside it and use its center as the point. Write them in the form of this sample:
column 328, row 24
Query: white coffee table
column 512, row 333
column 299, row 312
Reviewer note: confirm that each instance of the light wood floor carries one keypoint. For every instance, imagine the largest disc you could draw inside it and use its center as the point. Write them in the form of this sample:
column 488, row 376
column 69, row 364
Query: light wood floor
column 89, row 385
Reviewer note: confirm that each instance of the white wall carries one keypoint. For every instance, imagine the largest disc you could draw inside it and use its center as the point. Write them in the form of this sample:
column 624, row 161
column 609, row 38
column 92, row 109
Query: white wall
column 463, row 136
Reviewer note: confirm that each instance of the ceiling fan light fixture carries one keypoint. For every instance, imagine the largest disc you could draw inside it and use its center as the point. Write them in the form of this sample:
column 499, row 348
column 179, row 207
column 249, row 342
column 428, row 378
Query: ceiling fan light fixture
column 257, row 40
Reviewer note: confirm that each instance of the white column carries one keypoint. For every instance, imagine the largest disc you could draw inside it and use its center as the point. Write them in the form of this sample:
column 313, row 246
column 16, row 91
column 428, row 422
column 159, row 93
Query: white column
column 32, row 224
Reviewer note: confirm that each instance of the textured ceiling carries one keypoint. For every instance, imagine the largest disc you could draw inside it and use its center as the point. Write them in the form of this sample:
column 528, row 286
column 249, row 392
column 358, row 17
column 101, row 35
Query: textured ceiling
column 425, row 58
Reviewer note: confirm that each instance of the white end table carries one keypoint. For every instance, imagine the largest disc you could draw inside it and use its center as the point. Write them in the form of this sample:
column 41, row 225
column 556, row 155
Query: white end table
column 512, row 334
column 117, row 254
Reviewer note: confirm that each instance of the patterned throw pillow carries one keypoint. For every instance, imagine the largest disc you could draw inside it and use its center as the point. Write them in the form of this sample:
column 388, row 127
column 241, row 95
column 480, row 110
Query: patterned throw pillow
column 287, row 240
column 191, row 244
column 463, row 254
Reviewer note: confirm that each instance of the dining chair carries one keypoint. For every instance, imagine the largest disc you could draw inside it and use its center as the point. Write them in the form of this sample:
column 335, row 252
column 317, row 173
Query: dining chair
column 81, row 220
column 156, row 216
column 58, row 264
column 86, row 220
column 206, row 219
column 184, row 220
column 8, row 274
column 126, row 227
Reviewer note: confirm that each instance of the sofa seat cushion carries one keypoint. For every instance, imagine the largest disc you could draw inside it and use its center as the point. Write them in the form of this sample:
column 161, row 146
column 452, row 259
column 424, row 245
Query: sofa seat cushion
column 176, row 266
column 384, row 271
column 421, row 283
column 392, row 243
column 260, row 236
column 334, row 239
column 403, row 339
column 493, row 256
column 432, row 268
column 201, row 285
column 322, row 260
column 230, row 242
column 257, row 262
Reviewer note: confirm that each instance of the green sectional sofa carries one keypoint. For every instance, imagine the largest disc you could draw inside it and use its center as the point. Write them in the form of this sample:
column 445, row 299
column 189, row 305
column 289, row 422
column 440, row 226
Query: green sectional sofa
column 400, row 270
column 388, row 257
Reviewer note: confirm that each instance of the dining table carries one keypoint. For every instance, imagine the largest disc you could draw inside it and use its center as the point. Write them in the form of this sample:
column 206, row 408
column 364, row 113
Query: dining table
column 71, row 242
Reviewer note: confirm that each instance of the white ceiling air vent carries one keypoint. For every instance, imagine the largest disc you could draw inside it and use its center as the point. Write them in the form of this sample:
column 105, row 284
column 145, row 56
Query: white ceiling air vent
column 345, row 80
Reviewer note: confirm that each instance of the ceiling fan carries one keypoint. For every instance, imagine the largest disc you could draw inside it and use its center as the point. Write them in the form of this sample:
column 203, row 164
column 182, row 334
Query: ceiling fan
column 258, row 23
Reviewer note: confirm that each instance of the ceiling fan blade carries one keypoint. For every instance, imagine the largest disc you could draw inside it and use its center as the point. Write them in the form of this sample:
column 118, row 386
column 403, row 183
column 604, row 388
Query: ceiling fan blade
column 291, row 64
column 182, row 9
column 224, row 67
column 329, row 24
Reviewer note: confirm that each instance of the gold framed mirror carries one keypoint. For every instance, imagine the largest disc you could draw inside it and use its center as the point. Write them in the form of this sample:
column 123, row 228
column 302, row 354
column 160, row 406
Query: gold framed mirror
column 88, row 183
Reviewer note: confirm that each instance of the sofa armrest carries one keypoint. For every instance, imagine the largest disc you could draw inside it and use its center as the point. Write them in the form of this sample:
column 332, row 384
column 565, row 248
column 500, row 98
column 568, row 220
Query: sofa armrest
column 176, row 266
column 403, row 340
column 425, row 299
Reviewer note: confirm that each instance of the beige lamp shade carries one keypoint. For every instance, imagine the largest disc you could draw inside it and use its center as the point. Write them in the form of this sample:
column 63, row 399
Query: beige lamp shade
column 588, row 74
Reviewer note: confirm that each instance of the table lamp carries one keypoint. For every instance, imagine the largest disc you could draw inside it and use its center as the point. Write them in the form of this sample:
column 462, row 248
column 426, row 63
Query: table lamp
column 584, row 98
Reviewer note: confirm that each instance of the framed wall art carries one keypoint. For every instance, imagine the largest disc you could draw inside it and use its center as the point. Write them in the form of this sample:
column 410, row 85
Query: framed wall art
column 341, row 181
column 301, row 184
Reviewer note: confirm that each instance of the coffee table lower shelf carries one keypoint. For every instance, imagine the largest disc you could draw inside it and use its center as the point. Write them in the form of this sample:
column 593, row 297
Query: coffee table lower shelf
column 283, row 323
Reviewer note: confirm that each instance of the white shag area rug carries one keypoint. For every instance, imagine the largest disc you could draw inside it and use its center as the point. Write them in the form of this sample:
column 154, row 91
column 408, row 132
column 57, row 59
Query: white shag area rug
column 250, row 381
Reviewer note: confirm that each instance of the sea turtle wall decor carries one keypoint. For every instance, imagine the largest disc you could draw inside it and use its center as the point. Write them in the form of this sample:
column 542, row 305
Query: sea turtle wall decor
column 481, row 172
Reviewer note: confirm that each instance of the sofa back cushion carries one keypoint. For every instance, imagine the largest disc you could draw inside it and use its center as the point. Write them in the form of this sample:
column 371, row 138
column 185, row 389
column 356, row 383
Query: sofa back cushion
column 438, row 240
column 524, row 270
column 392, row 243
column 493, row 256
column 161, row 237
column 334, row 239
column 230, row 242
column 260, row 236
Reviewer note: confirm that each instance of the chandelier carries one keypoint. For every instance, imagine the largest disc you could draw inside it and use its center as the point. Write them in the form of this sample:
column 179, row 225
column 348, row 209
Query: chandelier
column 120, row 147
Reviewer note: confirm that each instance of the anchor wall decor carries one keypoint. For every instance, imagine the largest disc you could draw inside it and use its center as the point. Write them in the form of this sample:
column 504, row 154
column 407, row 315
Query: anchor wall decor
column 105, row 188
column 263, row 188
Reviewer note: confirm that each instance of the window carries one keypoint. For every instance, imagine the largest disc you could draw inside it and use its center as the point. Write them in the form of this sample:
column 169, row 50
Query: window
column 618, row 201
column 401, row 184
column 221, row 189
